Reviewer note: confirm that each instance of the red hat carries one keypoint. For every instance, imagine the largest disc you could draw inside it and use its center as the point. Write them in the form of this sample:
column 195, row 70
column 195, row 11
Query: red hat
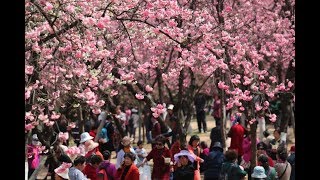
column 293, row 149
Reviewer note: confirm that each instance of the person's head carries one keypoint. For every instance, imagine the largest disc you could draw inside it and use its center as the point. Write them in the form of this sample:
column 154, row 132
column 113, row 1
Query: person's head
column 159, row 141
column 129, row 158
column 261, row 148
column 231, row 155
column 184, row 157
column 292, row 149
column 194, row 141
column 95, row 160
column 126, row 141
column 106, row 155
column 258, row 173
column 282, row 154
column 217, row 146
column 170, row 108
column 140, row 144
column 237, row 118
column 203, row 145
column 276, row 134
column 266, row 133
column 80, row 162
column 85, row 137
column 61, row 172
column 263, row 159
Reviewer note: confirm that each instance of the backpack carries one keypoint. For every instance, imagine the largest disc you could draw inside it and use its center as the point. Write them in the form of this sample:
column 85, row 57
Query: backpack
column 104, row 134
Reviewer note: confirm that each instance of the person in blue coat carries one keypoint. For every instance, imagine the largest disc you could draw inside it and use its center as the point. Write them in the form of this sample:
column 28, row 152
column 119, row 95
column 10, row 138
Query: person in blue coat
column 213, row 163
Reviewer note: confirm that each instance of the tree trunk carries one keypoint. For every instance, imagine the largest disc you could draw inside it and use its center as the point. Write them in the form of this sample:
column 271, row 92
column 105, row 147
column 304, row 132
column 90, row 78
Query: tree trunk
column 223, row 118
column 81, row 123
column 253, row 133
column 140, row 120
column 286, row 110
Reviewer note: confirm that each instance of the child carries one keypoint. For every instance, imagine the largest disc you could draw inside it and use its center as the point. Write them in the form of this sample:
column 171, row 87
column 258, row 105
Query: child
column 145, row 171
column 204, row 152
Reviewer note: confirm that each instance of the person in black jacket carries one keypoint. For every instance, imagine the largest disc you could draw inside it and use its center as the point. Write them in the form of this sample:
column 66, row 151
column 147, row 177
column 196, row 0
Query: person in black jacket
column 185, row 169
column 214, row 162
column 215, row 134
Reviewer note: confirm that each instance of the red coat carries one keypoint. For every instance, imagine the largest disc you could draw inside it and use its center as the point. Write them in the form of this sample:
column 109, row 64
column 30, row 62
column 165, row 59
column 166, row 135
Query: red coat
column 132, row 174
column 160, row 170
column 90, row 171
column 236, row 133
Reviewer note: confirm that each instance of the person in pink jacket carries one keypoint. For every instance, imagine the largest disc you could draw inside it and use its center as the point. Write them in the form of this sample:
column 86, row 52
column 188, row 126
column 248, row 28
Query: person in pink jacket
column 246, row 146
column 194, row 149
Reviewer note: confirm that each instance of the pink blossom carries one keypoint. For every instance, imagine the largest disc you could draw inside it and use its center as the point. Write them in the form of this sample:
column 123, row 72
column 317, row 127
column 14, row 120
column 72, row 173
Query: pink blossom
column 96, row 110
column 258, row 107
column 241, row 108
column 156, row 115
column 93, row 82
column 42, row 117
column 290, row 84
column 55, row 115
column 222, row 85
column 50, row 123
column 273, row 117
column 273, row 79
column 113, row 93
column 139, row 96
column 63, row 136
column 100, row 103
column 252, row 121
column 56, row 94
column 27, row 95
column 266, row 104
column 29, row 116
column 149, row 88
column 29, row 70
column 48, row 6
column 91, row 102
column 28, row 127
column 228, row 9
column 281, row 87
column 153, row 109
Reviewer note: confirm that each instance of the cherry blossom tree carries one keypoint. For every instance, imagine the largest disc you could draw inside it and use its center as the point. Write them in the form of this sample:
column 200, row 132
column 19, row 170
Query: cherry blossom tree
column 81, row 55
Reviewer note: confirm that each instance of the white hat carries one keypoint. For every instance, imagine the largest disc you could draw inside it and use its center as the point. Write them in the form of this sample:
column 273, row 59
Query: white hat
column 171, row 106
column 183, row 153
column 134, row 110
column 258, row 172
column 63, row 170
column 85, row 137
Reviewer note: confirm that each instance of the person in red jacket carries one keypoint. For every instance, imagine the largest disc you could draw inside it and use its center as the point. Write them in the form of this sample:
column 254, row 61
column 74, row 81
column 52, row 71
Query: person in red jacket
column 236, row 133
column 128, row 170
column 92, row 167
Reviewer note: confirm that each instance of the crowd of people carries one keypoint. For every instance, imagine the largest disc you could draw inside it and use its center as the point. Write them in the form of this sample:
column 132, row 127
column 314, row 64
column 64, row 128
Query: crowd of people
column 90, row 157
